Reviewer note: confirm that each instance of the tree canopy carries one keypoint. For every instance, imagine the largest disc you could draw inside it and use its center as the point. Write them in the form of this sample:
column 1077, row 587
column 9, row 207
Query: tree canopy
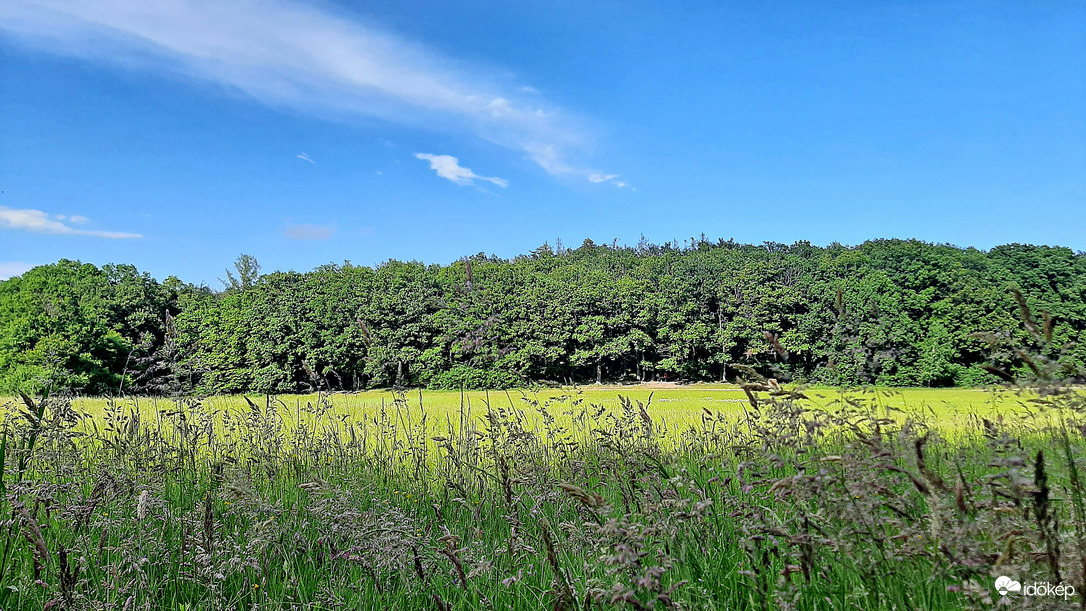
column 893, row 312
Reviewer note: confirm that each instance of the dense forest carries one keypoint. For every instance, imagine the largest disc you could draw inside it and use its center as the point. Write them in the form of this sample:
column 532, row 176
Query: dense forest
column 892, row 312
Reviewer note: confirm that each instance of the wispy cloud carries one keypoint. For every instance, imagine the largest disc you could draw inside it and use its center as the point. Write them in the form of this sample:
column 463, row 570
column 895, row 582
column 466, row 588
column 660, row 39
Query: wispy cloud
column 601, row 177
column 75, row 218
column 607, row 178
column 9, row 269
column 287, row 53
column 309, row 232
column 305, row 157
column 40, row 222
column 449, row 167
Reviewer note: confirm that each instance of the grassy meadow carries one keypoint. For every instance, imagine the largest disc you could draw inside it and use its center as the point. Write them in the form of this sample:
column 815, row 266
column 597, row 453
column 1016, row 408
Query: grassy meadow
column 558, row 499
column 676, row 408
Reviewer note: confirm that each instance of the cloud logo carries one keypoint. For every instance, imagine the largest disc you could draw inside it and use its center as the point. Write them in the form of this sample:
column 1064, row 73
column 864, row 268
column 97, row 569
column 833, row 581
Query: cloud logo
column 1004, row 584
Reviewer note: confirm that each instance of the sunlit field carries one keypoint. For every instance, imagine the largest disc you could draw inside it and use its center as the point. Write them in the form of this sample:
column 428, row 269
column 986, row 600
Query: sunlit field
column 952, row 411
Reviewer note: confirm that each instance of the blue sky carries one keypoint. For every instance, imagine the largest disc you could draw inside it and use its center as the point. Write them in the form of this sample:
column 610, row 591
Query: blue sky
column 176, row 135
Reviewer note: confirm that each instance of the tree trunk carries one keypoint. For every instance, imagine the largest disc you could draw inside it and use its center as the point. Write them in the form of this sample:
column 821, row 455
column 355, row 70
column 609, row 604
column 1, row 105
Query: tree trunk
column 599, row 372
column 723, row 352
column 399, row 373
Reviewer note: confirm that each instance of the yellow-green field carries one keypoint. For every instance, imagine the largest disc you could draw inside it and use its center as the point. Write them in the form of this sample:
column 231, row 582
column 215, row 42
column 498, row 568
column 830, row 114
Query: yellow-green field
column 676, row 407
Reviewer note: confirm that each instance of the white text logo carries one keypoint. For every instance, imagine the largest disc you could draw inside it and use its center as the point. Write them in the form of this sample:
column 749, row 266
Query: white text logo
column 1005, row 585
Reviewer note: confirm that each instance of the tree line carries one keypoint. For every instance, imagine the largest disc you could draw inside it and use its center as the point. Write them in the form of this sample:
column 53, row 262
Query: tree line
column 890, row 312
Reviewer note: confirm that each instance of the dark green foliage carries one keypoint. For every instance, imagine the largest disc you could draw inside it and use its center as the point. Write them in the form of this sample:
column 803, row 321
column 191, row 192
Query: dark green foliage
column 890, row 312
column 470, row 378
column 81, row 327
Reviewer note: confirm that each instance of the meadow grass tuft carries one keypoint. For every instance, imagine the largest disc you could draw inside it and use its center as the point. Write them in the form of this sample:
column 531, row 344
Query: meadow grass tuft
column 578, row 499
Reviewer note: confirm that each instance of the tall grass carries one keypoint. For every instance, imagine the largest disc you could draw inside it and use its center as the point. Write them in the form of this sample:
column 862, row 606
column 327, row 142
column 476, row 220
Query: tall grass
column 522, row 503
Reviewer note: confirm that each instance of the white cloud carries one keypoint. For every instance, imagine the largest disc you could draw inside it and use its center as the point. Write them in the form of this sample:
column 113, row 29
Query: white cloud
column 309, row 232
column 601, row 177
column 40, row 222
column 9, row 269
column 305, row 157
column 500, row 107
column 449, row 167
column 549, row 157
column 607, row 178
column 304, row 56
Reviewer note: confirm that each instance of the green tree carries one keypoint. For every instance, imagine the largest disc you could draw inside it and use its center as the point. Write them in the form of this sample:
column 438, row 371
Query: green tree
column 248, row 272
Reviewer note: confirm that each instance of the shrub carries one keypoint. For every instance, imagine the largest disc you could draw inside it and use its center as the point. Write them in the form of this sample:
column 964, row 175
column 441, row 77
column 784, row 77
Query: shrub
column 473, row 378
